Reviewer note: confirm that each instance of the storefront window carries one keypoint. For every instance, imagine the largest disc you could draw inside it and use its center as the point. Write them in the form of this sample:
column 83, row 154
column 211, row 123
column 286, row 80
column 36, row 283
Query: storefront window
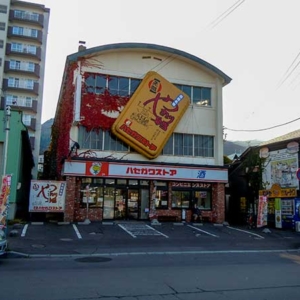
column 203, row 199
column 121, row 181
column 161, row 199
column 92, row 194
column 181, row 199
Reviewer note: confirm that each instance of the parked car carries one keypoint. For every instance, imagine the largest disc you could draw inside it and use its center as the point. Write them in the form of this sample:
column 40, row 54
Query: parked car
column 3, row 241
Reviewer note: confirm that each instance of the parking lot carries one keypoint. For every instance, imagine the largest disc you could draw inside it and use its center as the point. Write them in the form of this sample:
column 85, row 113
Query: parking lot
column 56, row 238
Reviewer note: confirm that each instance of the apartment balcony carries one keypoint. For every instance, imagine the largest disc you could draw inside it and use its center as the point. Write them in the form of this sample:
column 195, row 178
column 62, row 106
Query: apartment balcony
column 21, row 86
column 21, row 104
column 25, row 35
column 22, row 68
column 24, row 52
column 26, row 17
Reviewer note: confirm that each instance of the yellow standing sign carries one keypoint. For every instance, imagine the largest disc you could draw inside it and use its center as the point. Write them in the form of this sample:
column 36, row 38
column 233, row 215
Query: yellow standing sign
column 151, row 115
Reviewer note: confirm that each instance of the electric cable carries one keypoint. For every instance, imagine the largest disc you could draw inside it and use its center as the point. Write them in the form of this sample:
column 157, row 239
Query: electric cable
column 225, row 14
column 291, row 71
column 262, row 129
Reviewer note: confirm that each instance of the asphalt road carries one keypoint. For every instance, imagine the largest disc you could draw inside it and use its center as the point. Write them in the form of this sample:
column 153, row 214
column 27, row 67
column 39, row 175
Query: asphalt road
column 141, row 276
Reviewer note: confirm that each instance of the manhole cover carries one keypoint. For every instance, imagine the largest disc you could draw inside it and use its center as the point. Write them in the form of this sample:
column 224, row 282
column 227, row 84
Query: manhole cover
column 66, row 240
column 38, row 246
column 93, row 259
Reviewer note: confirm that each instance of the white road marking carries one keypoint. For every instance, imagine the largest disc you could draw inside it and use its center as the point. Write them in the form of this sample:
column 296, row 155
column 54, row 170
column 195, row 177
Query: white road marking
column 206, row 232
column 127, row 231
column 246, row 231
column 77, row 231
column 157, row 231
column 24, row 230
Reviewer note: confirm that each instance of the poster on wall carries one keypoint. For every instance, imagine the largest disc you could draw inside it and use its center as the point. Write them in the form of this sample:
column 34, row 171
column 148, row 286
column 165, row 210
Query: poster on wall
column 262, row 212
column 47, row 196
column 281, row 168
column 4, row 198
column 278, row 222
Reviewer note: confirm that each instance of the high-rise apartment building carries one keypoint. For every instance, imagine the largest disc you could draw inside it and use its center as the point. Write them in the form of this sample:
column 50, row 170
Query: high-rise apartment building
column 23, row 39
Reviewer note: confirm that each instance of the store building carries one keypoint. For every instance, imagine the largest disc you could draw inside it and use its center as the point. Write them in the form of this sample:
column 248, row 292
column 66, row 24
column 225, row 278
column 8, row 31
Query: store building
column 109, row 180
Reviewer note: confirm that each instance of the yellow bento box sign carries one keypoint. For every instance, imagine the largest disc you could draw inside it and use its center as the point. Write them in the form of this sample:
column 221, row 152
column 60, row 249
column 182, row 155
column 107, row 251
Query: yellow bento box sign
column 151, row 115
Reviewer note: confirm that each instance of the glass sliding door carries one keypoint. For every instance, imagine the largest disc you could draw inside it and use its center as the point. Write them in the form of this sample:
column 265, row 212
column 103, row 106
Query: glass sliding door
column 133, row 204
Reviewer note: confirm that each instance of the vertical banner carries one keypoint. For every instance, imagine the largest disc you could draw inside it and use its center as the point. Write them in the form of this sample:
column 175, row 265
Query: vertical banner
column 4, row 198
column 262, row 212
column 278, row 223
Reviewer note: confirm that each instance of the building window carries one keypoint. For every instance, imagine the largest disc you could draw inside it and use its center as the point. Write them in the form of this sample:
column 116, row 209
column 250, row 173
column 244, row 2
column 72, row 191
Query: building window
column 116, row 85
column 182, row 144
column 161, row 199
column 112, row 143
column 25, row 31
column 91, row 192
column 26, row 119
column 21, row 14
column 181, row 199
column 3, row 9
column 2, row 26
column 185, row 88
column 202, row 96
column 99, row 140
column 0, row 61
column 202, row 199
column 204, row 145
column 188, row 144
column 1, row 44
column 178, row 143
column 169, row 146
column 161, row 195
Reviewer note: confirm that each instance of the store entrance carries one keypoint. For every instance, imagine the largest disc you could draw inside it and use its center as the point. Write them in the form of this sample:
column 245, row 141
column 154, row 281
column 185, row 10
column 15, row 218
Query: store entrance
column 123, row 204
column 127, row 204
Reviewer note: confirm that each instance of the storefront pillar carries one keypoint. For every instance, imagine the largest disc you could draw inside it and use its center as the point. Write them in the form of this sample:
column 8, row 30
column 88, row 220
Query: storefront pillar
column 70, row 199
column 218, row 203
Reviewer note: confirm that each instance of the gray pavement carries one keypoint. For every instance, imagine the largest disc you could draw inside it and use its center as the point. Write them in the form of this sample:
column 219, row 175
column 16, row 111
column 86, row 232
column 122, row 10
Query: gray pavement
column 119, row 238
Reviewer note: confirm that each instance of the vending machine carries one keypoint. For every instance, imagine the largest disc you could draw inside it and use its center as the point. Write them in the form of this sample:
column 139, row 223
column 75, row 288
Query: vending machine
column 287, row 213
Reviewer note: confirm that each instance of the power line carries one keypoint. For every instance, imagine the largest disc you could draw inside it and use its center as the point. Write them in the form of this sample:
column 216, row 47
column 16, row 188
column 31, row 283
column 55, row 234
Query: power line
column 289, row 72
column 225, row 14
column 262, row 129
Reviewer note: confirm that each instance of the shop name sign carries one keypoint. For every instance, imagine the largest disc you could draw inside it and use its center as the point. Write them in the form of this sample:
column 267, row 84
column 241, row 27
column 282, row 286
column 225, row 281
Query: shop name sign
column 282, row 193
column 143, row 171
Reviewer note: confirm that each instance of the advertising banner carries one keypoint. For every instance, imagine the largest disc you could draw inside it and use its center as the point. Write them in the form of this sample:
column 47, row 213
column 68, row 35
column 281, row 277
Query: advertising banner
column 151, row 115
column 278, row 222
column 4, row 198
column 262, row 212
column 281, row 168
column 47, row 196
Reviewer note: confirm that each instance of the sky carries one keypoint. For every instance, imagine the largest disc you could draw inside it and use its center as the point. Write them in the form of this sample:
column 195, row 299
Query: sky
column 255, row 42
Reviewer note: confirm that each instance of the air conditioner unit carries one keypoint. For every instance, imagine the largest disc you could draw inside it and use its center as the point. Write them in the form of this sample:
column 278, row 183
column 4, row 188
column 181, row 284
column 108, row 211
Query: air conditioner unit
column 297, row 226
